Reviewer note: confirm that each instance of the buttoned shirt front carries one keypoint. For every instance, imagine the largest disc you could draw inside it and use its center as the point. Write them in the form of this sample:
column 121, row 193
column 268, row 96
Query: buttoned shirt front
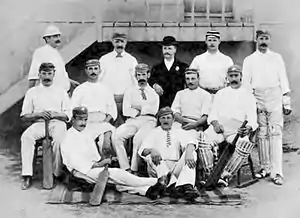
column 96, row 97
column 169, row 63
column 47, row 53
column 192, row 103
column 133, row 96
column 264, row 71
column 79, row 151
column 118, row 73
column 157, row 139
column 212, row 69
column 231, row 107
column 41, row 98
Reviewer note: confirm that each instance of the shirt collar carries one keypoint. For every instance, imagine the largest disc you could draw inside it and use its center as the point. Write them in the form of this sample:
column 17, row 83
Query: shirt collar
column 260, row 53
column 212, row 54
column 115, row 53
column 169, row 62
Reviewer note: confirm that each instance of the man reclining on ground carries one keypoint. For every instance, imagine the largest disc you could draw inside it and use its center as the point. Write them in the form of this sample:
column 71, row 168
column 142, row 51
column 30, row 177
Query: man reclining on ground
column 81, row 157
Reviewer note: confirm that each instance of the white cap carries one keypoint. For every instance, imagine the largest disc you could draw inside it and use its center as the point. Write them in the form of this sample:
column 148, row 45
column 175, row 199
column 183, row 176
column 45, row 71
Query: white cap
column 51, row 31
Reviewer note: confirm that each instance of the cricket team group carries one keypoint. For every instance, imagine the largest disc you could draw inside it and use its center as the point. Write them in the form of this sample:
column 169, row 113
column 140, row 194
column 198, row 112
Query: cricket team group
column 172, row 116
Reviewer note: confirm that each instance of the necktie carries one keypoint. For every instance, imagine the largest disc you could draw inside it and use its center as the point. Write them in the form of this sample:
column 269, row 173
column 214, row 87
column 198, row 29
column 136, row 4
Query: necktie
column 119, row 55
column 144, row 97
column 168, row 141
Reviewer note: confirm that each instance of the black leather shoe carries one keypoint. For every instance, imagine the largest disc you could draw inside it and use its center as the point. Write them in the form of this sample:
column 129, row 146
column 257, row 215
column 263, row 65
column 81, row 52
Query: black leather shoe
column 156, row 190
column 190, row 193
column 26, row 183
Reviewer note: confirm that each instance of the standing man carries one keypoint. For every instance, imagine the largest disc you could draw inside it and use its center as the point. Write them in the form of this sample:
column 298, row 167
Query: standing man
column 170, row 151
column 118, row 71
column 212, row 65
column 43, row 102
column 167, row 77
column 191, row 106
column 265, row 72
column 49, row 53
column 101, row 105
column 140, row 105
column 82, row 159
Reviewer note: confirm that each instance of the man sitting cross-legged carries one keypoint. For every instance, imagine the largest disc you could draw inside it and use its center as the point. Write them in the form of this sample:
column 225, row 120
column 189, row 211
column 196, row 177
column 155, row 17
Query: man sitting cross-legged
column 41, row 103
column 171, row 151
column 101, row 105
column 140, row 105
column 81, row 157
column 231, row 107
column 191, row 105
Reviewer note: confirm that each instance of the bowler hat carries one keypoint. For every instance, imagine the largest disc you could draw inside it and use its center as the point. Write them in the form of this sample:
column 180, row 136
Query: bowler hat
column 169, row 40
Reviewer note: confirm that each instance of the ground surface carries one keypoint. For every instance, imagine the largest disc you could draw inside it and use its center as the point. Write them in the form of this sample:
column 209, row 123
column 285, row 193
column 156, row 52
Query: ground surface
column 262, row 200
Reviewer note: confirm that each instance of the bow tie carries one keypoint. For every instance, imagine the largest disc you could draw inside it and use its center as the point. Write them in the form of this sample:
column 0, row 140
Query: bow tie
column 119, row 56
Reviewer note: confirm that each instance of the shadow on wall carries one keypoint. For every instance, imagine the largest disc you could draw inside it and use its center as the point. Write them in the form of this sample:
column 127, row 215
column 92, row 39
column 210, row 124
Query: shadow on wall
column 150, row 53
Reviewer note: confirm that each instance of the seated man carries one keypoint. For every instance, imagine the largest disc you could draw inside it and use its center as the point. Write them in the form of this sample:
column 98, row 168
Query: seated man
column 171, row 151
column 191, row 105
column 101, row 105
column 81, row 157
column 231, row 106
column 41, row 103
column 140, row 105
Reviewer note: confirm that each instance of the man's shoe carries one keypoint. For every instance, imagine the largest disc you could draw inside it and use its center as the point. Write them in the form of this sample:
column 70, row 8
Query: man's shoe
column 190, row 193
column 26, row 183
column 278, row 180
column 156, row 190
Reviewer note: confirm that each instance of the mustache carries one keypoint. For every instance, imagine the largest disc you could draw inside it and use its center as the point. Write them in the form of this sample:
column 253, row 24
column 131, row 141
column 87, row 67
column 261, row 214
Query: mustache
column 82, row 126
column 264, row 44
column 234, row 82
column 189, row 84
column 141, row 80
column 93, row 74
column 47, row 80
column 120, row 47
column 57, row 41
column 167, row 53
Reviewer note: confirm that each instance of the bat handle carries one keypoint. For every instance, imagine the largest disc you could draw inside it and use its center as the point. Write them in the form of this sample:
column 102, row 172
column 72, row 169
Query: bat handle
column 238, row 135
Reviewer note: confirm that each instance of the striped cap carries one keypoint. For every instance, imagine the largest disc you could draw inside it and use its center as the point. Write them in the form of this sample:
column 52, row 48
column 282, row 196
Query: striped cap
column 92, row 62
column 213, row 33
column 191, row 70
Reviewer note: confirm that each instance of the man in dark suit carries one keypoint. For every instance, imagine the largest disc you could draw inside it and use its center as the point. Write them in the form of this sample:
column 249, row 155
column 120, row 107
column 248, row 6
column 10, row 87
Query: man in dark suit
column 167, row 77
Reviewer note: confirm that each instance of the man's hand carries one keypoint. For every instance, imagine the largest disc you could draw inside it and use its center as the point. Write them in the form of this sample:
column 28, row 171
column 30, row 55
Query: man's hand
column 158, row 89
column 217, row 127
column 46, row 115
column 244, row 131
column 189, row 157
column 190, row 125
column 155, row 156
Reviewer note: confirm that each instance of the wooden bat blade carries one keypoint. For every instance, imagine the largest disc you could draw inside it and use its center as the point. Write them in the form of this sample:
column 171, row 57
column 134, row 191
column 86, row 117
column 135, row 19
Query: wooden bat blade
column 213, row 178
column 47, row 159
column 99, row 188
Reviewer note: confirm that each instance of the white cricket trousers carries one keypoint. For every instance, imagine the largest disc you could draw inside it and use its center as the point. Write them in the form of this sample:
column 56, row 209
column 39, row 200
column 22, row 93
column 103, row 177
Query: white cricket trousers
column 57, row 130
column 123, row 180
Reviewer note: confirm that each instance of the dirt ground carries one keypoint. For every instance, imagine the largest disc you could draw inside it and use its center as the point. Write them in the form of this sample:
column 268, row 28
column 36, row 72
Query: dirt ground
column 261, row 200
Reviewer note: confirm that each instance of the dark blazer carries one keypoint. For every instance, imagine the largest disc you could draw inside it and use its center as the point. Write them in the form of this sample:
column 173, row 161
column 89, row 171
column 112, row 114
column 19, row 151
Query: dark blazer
column 171, row 81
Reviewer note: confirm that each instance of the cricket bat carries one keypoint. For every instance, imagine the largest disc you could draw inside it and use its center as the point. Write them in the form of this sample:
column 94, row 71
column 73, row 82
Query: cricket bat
column 47, row 159
column 215, row 175
column 97, row 194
